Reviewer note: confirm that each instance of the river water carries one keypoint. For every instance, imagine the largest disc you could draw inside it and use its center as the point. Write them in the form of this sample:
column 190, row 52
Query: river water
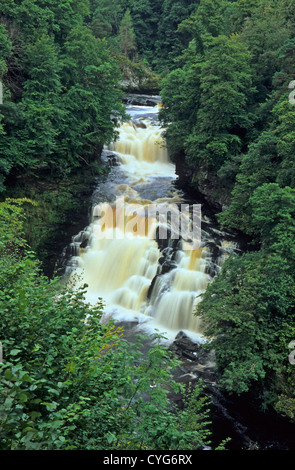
column 143, row 275
column 152, row 281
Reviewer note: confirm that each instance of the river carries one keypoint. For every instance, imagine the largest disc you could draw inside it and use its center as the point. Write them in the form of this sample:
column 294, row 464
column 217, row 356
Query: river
column 141, row 276
column 151, row 282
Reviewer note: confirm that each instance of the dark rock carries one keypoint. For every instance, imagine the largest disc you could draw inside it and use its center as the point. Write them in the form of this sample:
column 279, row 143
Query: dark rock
column 140, row 124
column 142, row 100
column 167, row 266
column 84, row 243
column 185, row 347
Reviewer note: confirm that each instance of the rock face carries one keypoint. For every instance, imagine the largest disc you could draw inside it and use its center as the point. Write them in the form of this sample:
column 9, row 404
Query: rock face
column 197, row 361
column 197, row 181
column 109, row 158
column 185, row 348
column 142, row 100
column 137, row 78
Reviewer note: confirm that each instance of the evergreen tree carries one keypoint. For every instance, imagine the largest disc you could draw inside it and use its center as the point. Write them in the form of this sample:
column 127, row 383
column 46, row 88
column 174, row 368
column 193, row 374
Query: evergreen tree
column 169, row 40
column 127, row 36
column 91, row 96
column 213, row 115
column 49, row 86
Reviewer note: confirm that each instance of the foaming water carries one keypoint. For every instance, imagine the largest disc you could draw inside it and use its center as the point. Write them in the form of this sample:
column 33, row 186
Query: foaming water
column 144, row 144
column 179, row 291
column 142, row 150
column 125, row 267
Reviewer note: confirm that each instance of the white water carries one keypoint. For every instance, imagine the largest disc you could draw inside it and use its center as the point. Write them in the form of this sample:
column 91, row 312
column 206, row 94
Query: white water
column 120, row 265
column 142, row 151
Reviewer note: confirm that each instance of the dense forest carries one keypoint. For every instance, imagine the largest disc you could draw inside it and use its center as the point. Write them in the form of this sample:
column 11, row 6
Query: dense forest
column 225, row 73
column 230, row 117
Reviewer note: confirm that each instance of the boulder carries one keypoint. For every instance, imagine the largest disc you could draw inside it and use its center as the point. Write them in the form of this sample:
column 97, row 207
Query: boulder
column 185, row 347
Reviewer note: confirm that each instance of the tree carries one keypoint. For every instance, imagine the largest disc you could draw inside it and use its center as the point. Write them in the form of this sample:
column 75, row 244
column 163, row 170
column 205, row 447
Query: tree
column 181, row 99
column 249, row 313
column 273, row 215
column 92, row 96
column 31, row 138
column 264, row 17
column 127, row 36
column 56, row 117
column 213, row 118
column 270, row 159
column 249, row 308
column 258, row 166
column 106, row 17
column 70, row 382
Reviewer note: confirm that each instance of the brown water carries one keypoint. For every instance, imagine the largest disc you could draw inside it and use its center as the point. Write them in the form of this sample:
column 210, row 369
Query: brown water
column 150, row 283
column 124, row 266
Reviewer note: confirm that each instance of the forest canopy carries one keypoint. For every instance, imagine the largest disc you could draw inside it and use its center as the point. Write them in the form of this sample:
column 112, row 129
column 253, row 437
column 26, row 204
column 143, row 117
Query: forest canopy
column 229, row 111
column 225, row 73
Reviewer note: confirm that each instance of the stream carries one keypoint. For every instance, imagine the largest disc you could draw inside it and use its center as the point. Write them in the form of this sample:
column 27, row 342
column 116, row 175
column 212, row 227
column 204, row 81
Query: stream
column 151, row 275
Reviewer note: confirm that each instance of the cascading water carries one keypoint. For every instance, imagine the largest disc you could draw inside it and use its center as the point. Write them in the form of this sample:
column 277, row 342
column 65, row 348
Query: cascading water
column 156, row 283
column 181, row 289
column 149, row 282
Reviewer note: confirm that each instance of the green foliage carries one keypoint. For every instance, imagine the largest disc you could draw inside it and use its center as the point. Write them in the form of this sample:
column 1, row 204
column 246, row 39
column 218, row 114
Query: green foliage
column 226, row 68
column 230, row 124
column 273, row 210
column 52, row 16
column 63, row 100
column 105, row 17
column 181, row 96
column 69, row 381
column 209, row 116
column 257, row 167
column 91, row 96
column 250, row 306
column 12, row 225
column 248, row 309
column 286, row 406
column 221, row 119
column 5, row 53
column 62, row 83
column 127, row 36
column 240, row 55
column 270, row 159
column 170, row 41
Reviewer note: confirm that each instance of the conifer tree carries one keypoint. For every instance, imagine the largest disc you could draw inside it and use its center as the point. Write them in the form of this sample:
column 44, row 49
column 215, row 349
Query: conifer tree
column 127, row 36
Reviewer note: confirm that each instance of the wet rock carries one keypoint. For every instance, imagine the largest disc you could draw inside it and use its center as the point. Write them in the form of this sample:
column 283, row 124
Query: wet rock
column 142, row 100
column 183, row 346
column 84, row 243
column 167, row 266
column 112, row 160
column 140, row 124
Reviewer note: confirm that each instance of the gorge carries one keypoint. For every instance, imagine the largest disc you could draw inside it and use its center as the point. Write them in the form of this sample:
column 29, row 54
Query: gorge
column 149, row 284
column 152, row 249
column 138, row 276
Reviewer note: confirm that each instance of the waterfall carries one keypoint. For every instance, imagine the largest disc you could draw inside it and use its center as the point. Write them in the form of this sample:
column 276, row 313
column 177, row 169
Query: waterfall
column 141, row 149
column 156, row 283
column 187, row 282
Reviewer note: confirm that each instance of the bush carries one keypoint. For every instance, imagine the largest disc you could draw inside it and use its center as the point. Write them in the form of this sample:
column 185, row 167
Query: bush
column 68, row 381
